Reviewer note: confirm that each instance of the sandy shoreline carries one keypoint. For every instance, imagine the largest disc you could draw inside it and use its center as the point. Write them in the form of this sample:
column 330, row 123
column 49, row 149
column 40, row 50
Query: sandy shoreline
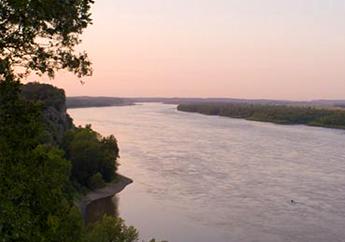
column 110, row 190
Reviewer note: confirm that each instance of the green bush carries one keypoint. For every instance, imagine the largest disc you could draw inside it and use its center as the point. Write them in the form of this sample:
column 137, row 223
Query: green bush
column 90, row 153
column 111, row 229
column 96, row 181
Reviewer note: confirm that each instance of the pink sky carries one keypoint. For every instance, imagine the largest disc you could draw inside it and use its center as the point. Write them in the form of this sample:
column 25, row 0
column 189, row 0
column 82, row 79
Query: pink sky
column 214, row 48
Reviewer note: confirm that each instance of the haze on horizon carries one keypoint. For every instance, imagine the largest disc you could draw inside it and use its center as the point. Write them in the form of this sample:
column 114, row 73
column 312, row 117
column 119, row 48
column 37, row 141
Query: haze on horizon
column 272, row 49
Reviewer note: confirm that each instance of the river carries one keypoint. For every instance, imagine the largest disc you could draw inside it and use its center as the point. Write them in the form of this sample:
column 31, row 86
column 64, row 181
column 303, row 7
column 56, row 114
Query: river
column 204, row 178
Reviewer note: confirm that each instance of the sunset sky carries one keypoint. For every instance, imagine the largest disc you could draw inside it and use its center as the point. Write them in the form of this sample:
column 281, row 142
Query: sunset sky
column 280, row 49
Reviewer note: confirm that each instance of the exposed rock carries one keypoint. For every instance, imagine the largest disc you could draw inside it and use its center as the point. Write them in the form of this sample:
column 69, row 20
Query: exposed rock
column 53, row 100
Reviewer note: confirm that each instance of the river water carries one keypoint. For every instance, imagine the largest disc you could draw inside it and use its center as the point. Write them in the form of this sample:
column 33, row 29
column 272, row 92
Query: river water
column 213, row 179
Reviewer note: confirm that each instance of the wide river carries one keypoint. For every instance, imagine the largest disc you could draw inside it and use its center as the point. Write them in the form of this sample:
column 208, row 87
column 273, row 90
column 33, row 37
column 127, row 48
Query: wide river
column 211, row 179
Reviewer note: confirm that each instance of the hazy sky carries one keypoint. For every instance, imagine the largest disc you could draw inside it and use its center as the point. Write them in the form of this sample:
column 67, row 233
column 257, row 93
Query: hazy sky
column 286, row 49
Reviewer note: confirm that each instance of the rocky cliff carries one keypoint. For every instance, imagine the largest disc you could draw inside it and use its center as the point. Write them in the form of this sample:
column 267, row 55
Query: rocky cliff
column 53, row 101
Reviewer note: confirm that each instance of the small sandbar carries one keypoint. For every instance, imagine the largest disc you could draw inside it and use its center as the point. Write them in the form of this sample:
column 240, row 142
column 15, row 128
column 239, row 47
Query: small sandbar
column 108, row 191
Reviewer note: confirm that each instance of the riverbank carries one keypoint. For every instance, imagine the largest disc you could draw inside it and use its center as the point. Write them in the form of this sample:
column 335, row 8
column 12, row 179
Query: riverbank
column 108, row 191
column 278, row 114
column 91, row 102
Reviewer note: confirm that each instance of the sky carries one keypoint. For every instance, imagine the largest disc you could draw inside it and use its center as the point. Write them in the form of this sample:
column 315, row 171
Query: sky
column 272, row 49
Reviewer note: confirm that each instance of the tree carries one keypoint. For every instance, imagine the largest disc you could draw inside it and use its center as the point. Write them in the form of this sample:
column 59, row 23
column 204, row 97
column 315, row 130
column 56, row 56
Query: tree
column 83, row 150
column 37, row 36
column 90, row 154
column 41, row 35
column 111, row 229
column 33, row 177
column 110, row 151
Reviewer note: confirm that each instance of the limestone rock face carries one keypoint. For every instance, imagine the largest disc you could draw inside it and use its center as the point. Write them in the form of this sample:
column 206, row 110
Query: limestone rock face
column 53, row 101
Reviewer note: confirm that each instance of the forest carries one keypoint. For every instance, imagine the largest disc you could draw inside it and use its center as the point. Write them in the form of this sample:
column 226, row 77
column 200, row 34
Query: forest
column 279, row 114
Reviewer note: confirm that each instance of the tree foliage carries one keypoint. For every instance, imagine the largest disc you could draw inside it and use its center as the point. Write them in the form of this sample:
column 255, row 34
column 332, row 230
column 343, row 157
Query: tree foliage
column 46, row 94
column 96, row 181
column 111, row 229
column 90, row 153
column 282, row 114
column 40, row 36
column 33, row 177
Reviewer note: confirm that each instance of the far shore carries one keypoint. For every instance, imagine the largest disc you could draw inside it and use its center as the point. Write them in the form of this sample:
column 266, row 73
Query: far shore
column 108, row 191
column 100, row 106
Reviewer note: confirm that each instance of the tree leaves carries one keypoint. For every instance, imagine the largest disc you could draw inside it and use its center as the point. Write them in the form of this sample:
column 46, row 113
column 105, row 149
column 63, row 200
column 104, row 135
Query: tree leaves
column 90, row 154
column 40, row 36
column 33, row 177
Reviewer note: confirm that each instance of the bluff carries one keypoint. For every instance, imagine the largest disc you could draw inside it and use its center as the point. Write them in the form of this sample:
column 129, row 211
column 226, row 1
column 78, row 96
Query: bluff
column 53, row 101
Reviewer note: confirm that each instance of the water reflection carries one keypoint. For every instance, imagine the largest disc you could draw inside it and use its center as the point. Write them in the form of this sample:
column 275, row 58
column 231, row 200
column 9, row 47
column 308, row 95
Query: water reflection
column 97, row 209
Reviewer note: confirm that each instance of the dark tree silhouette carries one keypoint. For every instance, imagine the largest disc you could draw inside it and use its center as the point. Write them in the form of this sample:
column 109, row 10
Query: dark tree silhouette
column 40, row 36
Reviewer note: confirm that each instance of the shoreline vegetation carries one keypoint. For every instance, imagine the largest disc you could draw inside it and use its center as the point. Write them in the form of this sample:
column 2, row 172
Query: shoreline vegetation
column 53, row 169
column 91, row 101
column 110, row 189
column 330, row 117
column 45, row 160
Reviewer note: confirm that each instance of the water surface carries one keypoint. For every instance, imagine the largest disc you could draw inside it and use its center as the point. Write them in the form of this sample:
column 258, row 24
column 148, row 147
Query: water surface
column 213, row 179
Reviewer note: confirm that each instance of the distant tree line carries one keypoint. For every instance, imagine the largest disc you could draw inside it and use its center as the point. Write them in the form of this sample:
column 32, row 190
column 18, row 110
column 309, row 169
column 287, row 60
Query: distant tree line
column 85, row 102
column 280, row 114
